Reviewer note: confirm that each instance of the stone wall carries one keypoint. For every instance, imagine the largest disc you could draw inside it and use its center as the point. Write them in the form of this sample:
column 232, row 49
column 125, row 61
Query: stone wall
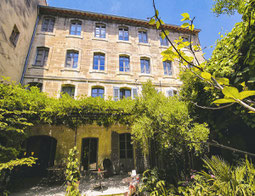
column 54, row 74
column 23, row 14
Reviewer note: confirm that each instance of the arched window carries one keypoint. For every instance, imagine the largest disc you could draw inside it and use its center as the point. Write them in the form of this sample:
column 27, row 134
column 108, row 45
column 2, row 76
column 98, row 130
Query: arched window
column 143, row 38
column 35, row 84
column 124, row 63
column 48, row 24
column 100, row 31
column 97, row 92
column 41, row 58
column 125, row 93
column 75, row 27
column 168, row 68
column 145, row 65
column 99, row 61
column 123, row 33
column 72, row 59
column 68, row 89
column 163, row 42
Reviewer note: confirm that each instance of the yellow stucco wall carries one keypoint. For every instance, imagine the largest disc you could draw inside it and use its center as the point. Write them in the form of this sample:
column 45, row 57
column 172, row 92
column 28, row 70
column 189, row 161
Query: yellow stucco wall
column 65, row 139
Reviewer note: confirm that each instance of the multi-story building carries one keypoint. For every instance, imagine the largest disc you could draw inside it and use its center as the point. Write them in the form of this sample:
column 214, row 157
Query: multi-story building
column 84, row 53
column 17, row 21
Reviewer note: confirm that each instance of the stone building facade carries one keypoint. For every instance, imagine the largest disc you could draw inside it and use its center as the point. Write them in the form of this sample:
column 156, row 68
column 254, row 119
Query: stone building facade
column 84, row 53
column 17, row 21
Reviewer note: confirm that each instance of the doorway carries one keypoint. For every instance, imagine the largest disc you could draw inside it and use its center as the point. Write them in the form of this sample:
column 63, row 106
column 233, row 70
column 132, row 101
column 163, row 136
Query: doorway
column 89, row 153
column 42, row 147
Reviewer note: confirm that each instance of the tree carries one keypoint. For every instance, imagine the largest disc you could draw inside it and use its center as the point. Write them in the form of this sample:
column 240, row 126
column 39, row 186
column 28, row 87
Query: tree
column 165, row 131
column 230, row 91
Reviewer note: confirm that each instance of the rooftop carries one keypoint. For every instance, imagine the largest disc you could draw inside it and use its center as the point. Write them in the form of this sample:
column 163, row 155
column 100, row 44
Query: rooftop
column 105, row 17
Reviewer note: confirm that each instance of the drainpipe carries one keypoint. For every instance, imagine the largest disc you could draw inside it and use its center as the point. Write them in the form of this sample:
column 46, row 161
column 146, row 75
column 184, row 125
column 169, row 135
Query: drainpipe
column 29, row 50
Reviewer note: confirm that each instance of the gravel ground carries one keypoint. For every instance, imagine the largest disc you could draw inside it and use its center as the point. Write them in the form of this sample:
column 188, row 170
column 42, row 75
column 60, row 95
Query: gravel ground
column 113, row 185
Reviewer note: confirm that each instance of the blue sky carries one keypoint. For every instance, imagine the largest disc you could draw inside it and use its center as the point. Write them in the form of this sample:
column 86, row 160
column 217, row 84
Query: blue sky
column 169, row 10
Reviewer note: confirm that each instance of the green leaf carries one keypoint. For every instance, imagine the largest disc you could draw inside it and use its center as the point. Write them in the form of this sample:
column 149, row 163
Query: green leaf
column 225, row 100
column 162, row 35
column 167, row 32
column 157, row 13
column 223, row 81
column 206, row 75
column 161, row 21
column 157, row 24
column 185, row 25
column 245, row 94
column 152, row 21
column 191, row 27
column 185, row 16
column 230, row 92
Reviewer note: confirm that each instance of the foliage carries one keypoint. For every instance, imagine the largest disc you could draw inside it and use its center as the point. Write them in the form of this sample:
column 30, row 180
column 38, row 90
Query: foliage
column 228, row 6
column 166, row 120
column 72, row 173
column 222, row 179
column 150, row 179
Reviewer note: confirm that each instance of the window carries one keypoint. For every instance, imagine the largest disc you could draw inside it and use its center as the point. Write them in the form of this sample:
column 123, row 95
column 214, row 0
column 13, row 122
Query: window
column 97, row 92
column 126, row 148
column 120, row 93
column 167, row 68
column 124, row 64
column 145, row 66
column 68, row 90
column 41, row 56
column 35, row 84
column 125, row 93
column 14, row 36
column 143, row 36
column 123, row 33
column 163, row 42
column 99, row 61
column 185, row 39
column 75, row 27
column 100, row 31
column 72, row 59
column 48, row 24
column 171, row 92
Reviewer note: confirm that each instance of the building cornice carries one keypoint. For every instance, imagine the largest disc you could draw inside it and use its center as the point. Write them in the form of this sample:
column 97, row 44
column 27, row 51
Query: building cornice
column 109, row 18
column 103, row 81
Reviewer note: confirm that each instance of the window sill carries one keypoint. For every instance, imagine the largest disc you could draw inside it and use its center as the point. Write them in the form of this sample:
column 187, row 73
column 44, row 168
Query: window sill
column 97, row 71
column 70, row 69
column 168, row 77
column 46, row 33
column 120, row 73
column 144, row 44
column 145, row 75
column 74, row 36
column 164, row 47
column 38, row 67
column 124, row 42
column 100, row 39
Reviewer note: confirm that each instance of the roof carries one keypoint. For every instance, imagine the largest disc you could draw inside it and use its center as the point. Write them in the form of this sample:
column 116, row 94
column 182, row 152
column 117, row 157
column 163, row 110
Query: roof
column 105, row 17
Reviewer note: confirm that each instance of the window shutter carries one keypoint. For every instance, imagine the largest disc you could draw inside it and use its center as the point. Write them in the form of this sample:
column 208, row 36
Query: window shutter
column 134, row 93
column 116, row 93
column 170, row 93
